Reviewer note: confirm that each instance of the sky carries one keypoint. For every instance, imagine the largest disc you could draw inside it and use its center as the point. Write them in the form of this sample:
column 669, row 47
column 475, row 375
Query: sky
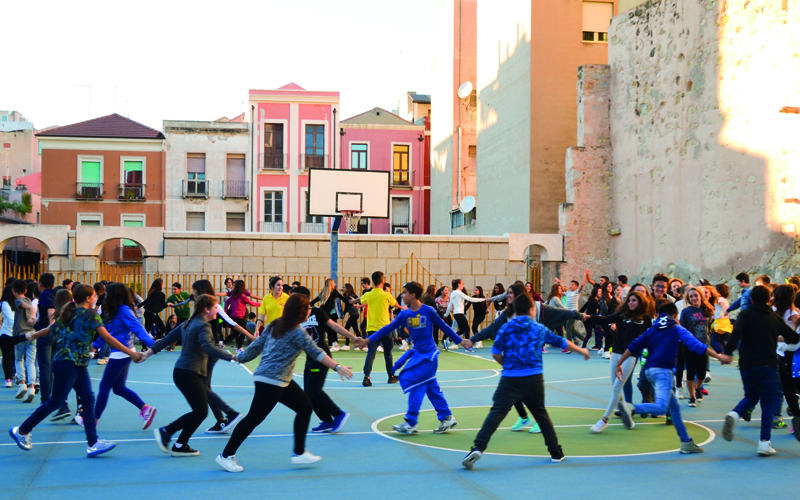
column 173, row 60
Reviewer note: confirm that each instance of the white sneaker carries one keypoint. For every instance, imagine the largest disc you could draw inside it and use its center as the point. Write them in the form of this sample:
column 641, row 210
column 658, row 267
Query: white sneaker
column 453, row 346
column 102, row 361
column 21, row 391
column 229, row 464
column 765, row 449
column 681, row 392
column 306, row 458
column 404, row 346
column 600, row 352
column 708, row 378
column 344, row 348
column 599, row 427
column 380, row 348
column 334, row 347
column 221, row 345
column 730, row 424
column 479, row 345
column 29, row 395
column 448, row 423
column 405, row 428
column 8, row 383
column 607, row 355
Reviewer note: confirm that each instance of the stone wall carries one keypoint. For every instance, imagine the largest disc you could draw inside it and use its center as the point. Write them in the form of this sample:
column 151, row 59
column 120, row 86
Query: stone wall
column 702, row 157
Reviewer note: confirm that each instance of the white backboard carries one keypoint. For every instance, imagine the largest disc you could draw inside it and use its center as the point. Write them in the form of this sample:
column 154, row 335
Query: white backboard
column 331, row 190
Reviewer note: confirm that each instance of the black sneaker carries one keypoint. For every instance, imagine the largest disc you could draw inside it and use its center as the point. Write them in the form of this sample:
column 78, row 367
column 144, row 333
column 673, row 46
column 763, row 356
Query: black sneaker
column 473, row 456
column 366, row 382
column 669, row 420
column 61, row 414
column 230, row 422
column 393, row 379
column 218, row 428
column 747, row 415
column 692, row 403
column 162, row 439
column 557, row 456
column 184, row 451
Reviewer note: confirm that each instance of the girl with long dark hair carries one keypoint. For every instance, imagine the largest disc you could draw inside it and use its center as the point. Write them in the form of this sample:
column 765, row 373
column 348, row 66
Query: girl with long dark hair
column 478, row 311
column 592, row 308
column 153, row 304
column 457, row 300
column 121, row 322
column 327, row 300
column 499, row 305
column 8, row 308
column 236, row 306
column 279, row 347
column 350, row 298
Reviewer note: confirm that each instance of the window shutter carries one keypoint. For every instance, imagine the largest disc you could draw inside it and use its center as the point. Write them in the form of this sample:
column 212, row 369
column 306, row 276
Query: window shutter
column 597, row 16
column 235, row 221
column 196, row 163
column 195, row 221
column 90, row 172
column 236, row 168
column 400, row 211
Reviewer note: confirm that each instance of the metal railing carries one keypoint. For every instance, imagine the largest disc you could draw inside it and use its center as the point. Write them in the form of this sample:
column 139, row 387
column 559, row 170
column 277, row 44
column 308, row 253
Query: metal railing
column 313, row 161
column 271, row 227
column 400, row 178
column 90, row 190
column 272, row 161
column 131, row 192
column 194, row 189
column 235, row 189
column 313, row 227
column 130, row 254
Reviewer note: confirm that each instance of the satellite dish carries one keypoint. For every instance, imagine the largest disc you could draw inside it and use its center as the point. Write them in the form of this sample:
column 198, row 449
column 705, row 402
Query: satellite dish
column 467, row 204
column 464, row 90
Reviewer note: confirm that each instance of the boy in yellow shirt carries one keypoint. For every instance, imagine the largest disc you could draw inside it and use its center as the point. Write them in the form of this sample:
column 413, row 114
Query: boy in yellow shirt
column 378, row 303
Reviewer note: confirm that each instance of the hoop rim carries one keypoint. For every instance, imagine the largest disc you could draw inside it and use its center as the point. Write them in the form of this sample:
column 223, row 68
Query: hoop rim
column 351, row 212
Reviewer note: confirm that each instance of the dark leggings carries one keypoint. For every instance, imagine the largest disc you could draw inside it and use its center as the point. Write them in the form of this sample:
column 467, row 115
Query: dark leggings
column 264, row 400
column 680, row 367
column 7, row 343
column 436, row 334
column 352, row 326
column 463, row 325
column 114, row 377
column 333, row 337
column 696, row 365
column 787, row 383
column 476, row 323
column 237, row 335
column 216, row 403
column 151, row 319
column 193, row 388
column 313, row 381
column 598, row 336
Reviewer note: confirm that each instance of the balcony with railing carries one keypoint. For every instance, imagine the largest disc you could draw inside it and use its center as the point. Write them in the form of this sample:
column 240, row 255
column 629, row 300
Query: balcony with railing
column 271, row 227
column 313, row 227
column 235, row 189
column 131, row 192
column 400, row 178
column 130, row 253
column 273, row 161
column 194, row 189
column 313, row 161
column 89, row 191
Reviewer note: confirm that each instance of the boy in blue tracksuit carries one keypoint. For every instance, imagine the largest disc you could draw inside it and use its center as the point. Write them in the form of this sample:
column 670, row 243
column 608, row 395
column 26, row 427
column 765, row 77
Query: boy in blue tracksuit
column 661, row 341
column 518, row 347
column 418, row 378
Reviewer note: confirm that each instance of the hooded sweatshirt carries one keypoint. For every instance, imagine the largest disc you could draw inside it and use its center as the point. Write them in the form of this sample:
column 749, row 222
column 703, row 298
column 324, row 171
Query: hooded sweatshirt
column 123, row 326
column 661, row 341
column 520, row 341
column 758, row 328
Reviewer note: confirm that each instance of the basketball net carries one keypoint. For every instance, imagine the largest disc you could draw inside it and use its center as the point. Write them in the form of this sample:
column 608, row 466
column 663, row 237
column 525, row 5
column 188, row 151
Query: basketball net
column 351, row 218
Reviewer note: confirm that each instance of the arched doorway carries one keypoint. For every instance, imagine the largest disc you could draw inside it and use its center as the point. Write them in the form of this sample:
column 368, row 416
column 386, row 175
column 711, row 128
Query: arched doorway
column 24, row 257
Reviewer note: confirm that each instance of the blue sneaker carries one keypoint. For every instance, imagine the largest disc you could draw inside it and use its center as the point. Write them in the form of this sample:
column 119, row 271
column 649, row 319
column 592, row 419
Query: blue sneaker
column 338, row 422
column 469, row 350
column 446, row 344
column 323, row 427
column 23, row 441
column 100, row 447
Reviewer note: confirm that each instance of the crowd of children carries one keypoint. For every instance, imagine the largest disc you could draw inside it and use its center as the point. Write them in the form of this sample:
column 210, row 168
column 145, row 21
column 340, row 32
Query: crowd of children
column 50, row 333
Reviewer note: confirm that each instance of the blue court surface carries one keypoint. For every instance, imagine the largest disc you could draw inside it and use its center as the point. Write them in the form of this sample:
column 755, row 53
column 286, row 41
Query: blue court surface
column 366, row 460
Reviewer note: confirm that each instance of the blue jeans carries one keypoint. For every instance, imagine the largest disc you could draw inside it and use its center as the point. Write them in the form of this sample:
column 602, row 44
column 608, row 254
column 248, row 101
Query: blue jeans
column 760, row 383
column 44, row 358
column 67, row 376
column 25, row 356
column 114, row 378
column 662, row 381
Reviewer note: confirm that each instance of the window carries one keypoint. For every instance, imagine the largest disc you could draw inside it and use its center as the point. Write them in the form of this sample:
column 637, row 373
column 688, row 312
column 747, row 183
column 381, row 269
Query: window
column 133, row 172
column 315, row 146
column 473, row 159
column 400, row 165
column 311, row 219
column 94, row 220
column 132, row 185
column 90, row 177
column 234, row 221
column 363, row 226
column 473, row 99
column 273, row 146
column 273, row 206
column 196, row 173
column 196, row 221
column 596, row 20
column 401, row 215
column 131, row 220
column 358, row 156
column 235, row 184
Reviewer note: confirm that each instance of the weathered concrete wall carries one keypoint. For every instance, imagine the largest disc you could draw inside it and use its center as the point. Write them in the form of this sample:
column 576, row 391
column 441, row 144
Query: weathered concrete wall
column 216, row 140
column 702, row 159
column 585, row 219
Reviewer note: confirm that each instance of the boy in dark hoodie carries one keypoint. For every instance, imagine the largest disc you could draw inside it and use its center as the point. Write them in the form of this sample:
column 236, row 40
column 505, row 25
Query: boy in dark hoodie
column 518, row 347
column 661, row 341
column 758, row 328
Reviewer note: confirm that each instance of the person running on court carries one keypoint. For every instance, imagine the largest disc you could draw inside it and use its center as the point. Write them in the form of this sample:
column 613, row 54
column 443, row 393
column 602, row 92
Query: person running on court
column 662, row 342
column 279, row 347
column 418, row 378
column 518, row 347
column 378, row 303
column 314, row 373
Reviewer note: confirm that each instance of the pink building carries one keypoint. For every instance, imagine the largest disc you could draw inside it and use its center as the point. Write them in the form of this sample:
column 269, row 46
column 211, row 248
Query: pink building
column 380, row 140
column 293, row 129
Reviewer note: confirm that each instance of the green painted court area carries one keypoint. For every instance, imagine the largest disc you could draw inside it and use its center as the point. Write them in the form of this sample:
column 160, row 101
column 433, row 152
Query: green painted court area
column 572, row 426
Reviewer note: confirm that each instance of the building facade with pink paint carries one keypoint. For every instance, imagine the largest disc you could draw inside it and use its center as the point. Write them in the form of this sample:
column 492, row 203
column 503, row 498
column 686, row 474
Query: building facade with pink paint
column 293, row 129
column 380, row 140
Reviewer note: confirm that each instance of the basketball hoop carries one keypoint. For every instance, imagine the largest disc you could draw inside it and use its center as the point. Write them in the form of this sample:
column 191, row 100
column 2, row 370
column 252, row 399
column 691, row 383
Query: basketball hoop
column 350, row 218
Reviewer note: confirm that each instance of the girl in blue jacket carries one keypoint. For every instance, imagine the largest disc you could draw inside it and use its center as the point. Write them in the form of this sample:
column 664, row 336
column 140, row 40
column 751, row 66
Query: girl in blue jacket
column 121, row 322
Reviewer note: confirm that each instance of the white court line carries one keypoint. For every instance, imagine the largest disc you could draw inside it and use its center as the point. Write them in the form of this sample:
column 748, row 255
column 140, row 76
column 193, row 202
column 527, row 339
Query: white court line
column 711, row 437
column 151, row 440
